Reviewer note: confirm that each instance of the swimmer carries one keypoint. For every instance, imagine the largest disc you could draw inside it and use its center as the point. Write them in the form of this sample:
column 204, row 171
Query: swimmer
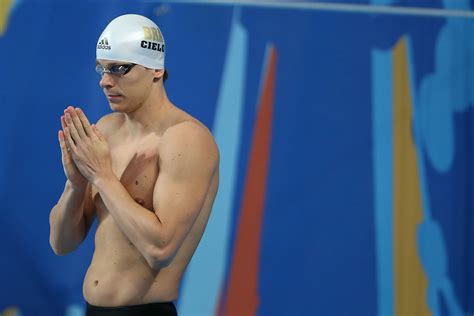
column 148, row 173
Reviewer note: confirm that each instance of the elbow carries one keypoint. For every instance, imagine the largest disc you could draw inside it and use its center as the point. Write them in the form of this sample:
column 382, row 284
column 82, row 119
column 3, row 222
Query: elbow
column 158, row 258
column 52, row 242
column 58, row 251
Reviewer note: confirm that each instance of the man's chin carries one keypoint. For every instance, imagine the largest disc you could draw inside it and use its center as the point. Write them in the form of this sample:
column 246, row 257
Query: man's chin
column 117, row 106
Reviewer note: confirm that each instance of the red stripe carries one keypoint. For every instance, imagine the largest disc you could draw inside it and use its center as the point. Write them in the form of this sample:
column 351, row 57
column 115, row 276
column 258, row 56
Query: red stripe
column 242, row 296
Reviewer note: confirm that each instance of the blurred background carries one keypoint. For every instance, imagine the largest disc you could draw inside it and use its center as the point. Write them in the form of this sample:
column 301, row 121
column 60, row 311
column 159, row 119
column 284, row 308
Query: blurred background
column 346, row 137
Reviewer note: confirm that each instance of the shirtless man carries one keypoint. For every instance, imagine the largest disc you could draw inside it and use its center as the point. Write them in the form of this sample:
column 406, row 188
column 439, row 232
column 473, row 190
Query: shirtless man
column 148, row 171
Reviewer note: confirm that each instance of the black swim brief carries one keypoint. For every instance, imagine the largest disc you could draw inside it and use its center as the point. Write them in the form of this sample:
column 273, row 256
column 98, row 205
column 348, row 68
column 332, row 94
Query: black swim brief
column 151, row 309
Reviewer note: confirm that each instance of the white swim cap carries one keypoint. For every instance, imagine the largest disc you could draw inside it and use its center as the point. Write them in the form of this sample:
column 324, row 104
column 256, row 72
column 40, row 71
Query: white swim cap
column 132, row 38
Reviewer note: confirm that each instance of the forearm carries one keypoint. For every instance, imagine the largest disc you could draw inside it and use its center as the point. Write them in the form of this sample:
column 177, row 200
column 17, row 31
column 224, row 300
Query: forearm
column 141, row 226
column 67, row 224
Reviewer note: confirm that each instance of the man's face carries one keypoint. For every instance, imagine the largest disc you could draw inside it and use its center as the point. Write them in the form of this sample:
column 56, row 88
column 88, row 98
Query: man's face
column 125, row 92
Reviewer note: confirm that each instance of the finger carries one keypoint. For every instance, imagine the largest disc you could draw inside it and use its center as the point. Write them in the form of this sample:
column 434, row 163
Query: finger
column 65, row 151
column 97, row 132
column 67, row 110
column 85, row 122
column 63, row 122
column 72, row 129
column 69, row 140
column 62, row 143
column 77, row 123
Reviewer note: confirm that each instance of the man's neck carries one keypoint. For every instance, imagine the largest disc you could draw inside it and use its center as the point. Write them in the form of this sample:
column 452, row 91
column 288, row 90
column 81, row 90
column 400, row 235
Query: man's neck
column 150, row 116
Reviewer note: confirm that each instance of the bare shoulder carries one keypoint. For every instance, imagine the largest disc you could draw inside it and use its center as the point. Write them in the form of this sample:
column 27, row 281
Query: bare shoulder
column 190, row 141
column 109, row 123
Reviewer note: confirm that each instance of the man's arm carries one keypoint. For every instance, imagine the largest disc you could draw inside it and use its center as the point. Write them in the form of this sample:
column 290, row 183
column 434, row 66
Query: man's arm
column 188, row 160
column 70, row 219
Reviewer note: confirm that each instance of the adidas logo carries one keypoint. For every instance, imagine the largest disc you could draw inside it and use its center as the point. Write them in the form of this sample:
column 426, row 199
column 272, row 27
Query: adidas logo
column 104, row 41
column 103, row 44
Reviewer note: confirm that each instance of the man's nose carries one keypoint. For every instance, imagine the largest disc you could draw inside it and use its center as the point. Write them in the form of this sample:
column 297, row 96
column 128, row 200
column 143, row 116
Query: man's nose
column 107, row 81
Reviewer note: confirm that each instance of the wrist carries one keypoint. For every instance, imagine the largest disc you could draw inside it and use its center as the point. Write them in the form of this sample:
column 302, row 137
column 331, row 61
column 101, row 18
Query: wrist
column 76, row 187
column 101, row 180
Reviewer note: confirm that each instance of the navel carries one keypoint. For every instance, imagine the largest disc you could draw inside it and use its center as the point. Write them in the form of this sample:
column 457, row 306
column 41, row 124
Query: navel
column 140, row 201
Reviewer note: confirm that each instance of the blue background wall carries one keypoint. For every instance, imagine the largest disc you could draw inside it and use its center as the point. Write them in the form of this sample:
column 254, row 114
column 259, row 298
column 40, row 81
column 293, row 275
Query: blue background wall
column 328, row 244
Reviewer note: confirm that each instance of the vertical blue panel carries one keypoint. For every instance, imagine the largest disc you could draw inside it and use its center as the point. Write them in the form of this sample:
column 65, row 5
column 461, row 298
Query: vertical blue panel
column 383, row 165
column 204, row 278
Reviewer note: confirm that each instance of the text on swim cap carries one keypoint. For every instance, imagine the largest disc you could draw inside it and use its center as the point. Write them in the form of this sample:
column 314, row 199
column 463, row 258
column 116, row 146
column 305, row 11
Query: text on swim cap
column 153, row 34
column 154, row 46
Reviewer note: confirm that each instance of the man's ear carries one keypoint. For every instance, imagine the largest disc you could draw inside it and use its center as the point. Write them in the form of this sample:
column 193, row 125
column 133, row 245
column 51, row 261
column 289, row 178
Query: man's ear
column 158, row 73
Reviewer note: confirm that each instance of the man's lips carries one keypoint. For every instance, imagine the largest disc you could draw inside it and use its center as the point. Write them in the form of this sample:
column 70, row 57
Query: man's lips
column 113, row 96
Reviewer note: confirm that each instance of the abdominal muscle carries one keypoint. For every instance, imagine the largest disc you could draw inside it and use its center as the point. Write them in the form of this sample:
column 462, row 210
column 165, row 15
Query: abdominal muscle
column 119, row 275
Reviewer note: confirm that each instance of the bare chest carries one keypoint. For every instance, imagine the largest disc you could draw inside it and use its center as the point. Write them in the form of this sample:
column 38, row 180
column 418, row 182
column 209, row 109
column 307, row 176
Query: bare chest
column 137, row 167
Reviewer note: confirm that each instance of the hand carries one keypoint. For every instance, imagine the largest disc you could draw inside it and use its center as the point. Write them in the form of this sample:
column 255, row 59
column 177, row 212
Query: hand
column 70, row 169
column 88, row 148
